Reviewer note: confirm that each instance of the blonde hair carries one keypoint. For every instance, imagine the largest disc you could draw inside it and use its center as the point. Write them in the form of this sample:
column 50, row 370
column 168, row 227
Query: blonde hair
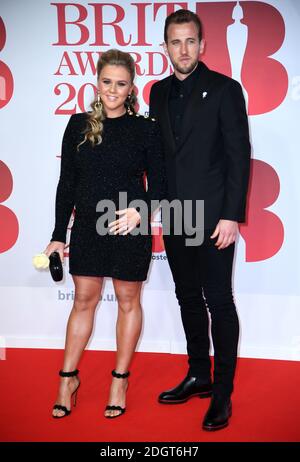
column 94, row 129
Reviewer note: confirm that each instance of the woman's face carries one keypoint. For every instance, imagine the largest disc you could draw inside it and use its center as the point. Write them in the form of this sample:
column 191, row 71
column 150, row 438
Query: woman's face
column 114, row 85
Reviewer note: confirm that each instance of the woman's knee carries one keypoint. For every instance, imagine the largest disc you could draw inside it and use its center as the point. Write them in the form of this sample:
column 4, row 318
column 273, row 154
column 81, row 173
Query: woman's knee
column 85, row 301
column 87, row 292
column 128, row 301
column 128, row 296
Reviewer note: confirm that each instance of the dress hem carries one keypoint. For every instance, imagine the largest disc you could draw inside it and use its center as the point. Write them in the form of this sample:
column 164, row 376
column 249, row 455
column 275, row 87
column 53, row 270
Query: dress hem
column 108, row 276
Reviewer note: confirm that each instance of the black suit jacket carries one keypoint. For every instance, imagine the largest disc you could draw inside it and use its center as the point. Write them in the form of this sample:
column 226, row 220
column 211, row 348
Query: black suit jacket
column 212, row 161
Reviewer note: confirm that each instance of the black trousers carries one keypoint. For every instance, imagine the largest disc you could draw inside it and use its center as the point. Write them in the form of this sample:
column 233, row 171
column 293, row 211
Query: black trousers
column 202, row 276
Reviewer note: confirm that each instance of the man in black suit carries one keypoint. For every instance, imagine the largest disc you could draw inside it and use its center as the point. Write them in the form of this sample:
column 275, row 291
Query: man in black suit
column 204, row 126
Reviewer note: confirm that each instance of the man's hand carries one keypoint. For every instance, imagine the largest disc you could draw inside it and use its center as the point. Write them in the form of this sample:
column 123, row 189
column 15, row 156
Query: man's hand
column 227, row 231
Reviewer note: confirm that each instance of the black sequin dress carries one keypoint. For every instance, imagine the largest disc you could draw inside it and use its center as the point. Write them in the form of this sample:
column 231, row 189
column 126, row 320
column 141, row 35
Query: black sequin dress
column 131, row 145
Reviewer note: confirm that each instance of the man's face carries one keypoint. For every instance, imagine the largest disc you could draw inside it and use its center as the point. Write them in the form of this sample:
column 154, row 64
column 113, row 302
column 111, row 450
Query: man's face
column 183, row 47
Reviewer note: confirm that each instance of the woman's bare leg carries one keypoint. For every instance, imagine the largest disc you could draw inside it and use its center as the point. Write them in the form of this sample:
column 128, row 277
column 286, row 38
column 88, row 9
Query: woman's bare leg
column 79, row 329
column 128, row 330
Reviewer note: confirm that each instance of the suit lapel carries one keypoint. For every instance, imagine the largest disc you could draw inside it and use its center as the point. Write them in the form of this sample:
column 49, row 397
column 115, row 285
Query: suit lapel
column 195, row 101
column 165, row 119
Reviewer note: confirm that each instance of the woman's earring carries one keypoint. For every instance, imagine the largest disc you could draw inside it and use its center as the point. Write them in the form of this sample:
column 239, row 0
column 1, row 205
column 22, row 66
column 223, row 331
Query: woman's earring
column 98, row 103
column 129, row 105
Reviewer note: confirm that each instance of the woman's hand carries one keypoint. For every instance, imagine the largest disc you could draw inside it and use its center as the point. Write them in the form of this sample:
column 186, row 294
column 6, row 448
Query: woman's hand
column 130, row 218
column 55, row 246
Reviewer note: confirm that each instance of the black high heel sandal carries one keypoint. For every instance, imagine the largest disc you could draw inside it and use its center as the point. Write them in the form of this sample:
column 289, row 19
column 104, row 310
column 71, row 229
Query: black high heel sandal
column 117, row 408
column 59, row 406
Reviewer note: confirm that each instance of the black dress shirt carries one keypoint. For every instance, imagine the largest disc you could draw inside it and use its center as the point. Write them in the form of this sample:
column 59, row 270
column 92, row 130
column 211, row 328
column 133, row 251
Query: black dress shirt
column 179, row 94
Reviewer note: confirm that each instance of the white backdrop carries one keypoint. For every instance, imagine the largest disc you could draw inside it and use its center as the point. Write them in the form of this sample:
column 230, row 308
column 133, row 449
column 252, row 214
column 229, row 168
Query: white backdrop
column 45, row 65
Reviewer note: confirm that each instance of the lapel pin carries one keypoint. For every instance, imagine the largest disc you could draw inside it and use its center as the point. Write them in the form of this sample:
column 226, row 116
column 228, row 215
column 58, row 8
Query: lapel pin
column 204, row 94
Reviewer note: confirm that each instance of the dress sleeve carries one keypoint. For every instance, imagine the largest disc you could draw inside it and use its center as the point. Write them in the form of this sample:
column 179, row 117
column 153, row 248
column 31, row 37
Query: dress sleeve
column 65, row 193
column 155, row 168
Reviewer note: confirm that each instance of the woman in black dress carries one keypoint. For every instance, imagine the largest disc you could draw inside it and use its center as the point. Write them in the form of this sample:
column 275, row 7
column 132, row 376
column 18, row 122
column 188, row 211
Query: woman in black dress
column 105, row 152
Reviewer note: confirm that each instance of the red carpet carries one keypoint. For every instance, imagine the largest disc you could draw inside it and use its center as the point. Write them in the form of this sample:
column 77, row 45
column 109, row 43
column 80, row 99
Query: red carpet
column 266, row 401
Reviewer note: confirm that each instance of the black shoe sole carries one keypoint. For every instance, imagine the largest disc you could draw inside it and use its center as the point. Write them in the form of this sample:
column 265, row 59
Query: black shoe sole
column 201, row 396
column 213, row 429
column 217, row 427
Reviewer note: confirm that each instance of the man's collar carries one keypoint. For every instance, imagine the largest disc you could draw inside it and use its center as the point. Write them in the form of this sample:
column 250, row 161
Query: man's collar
column 191, row 77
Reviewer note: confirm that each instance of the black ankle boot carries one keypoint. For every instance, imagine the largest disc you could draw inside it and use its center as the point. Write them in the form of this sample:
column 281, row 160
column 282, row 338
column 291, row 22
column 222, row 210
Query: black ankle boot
column 189, row 387
column 218, row 414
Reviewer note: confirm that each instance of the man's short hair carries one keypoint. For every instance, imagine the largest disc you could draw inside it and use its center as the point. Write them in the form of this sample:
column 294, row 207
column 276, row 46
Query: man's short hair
column 181, row 17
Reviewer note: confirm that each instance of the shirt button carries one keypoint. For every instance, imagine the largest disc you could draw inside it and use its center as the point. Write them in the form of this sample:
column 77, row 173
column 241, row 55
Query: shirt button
column 176, row 138
column 181, row 95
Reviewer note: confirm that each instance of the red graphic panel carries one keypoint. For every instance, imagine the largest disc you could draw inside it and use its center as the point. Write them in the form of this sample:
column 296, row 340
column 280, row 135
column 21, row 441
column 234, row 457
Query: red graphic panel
column 157, row 239
column 146, row 91
column 265, row 36
column 264, row 232
column 264, row 78
column 216, row 17
column 6, row 78
column 8, row 221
